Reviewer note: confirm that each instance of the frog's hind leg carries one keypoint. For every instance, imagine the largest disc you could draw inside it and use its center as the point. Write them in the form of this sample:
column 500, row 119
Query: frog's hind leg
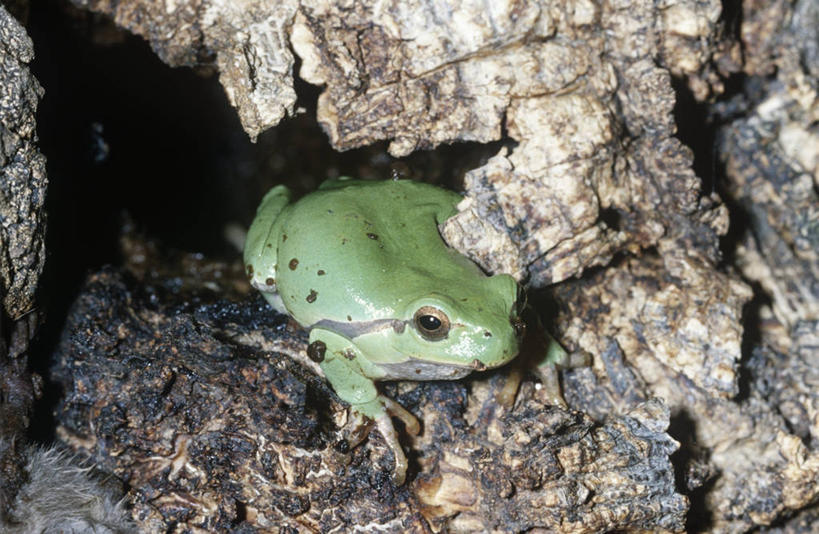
column 263, row 233
column 261, row 244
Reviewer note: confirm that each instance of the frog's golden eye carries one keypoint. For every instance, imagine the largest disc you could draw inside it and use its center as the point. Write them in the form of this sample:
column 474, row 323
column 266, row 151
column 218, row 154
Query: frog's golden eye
column 431, row 323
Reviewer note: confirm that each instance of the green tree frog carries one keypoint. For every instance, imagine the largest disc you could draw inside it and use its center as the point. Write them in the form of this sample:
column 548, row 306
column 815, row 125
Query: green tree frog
column 363, row 267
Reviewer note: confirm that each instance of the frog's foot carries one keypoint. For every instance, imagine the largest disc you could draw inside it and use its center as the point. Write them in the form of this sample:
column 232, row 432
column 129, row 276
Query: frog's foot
column 558, row 359
column 506, row 396
column 411, row 424
column 550, row 390
column 384, row 424
column 353, row 386
column 388, row 408
column 379, row 411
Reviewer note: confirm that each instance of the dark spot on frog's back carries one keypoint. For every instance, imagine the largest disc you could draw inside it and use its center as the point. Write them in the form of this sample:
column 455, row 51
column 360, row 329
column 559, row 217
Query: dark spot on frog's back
column 311, row 298
column 284, row 238
column 372, row 235
column 321, row 272
column 270, row 281
column 293, row 264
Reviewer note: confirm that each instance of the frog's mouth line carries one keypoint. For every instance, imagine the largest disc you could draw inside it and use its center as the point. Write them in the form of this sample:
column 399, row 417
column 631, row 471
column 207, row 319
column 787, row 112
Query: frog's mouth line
column 411, row 369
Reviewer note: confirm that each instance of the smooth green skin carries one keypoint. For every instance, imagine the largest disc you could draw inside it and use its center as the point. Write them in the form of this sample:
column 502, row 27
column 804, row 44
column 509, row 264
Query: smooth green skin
column 353, row 262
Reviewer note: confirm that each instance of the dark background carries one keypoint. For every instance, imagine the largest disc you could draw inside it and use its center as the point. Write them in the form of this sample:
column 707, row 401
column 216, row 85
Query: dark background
column 128, row 138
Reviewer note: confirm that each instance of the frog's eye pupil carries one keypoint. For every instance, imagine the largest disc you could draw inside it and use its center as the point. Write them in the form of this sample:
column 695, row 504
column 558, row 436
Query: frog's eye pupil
column 431, row 323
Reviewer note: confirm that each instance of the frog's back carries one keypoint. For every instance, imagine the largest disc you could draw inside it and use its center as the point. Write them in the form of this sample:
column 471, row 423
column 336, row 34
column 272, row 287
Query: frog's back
column 364, row 246
column 379, row 197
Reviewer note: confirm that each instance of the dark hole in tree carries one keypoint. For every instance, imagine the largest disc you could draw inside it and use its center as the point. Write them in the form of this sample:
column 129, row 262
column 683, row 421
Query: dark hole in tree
column 124, row 133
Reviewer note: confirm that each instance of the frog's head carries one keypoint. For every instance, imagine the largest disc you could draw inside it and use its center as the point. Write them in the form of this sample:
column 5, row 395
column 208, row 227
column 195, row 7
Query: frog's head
column 448, row 335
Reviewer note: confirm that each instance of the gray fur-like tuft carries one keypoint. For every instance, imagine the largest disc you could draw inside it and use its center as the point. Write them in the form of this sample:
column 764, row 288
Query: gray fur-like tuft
column 62, row 496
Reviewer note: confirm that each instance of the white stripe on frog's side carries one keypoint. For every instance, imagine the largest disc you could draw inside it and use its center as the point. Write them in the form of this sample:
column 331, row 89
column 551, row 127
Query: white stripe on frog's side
column 352, row 330
column 408, row 369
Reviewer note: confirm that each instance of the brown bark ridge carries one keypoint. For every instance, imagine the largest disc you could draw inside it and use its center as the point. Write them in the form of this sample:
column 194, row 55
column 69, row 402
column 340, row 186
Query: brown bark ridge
column 583, row 88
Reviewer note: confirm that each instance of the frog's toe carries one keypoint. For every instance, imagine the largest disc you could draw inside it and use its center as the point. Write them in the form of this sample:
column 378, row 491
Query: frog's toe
column 399, row 474
column 358, row 428
column 384, row 425
column 574, row 360
column 511, row 384
column 411, row 424
column 550, row 390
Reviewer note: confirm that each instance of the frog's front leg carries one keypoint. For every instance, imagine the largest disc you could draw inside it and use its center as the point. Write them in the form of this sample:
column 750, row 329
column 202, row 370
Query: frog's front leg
column 555, row 358
column 541, row 353
column 338, row 358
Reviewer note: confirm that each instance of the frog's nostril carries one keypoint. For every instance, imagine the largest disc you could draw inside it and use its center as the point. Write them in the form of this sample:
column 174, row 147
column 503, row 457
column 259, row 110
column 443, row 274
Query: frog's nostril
column 519, row 326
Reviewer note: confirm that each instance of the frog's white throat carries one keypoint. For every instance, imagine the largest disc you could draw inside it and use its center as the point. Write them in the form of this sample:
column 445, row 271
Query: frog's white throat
column 413, row 369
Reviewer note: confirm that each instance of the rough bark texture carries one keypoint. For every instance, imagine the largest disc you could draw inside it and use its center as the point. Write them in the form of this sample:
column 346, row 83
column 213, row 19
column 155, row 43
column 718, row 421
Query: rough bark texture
column 23, row 178
column 649, row 330
column 771, row 157
column 22, row 229
column 177, row 382
column 200, row 410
